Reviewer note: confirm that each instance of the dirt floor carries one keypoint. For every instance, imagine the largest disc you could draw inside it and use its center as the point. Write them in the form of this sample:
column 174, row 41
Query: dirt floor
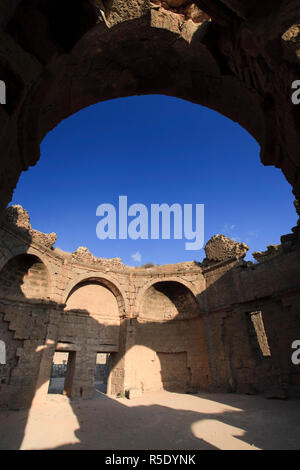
column 161, row 420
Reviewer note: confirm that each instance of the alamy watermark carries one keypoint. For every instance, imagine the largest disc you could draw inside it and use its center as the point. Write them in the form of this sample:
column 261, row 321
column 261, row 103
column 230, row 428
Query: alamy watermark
column 188, row 222
column 296, row 93
column 2, row 353
column 296, row 353
column 2, row 92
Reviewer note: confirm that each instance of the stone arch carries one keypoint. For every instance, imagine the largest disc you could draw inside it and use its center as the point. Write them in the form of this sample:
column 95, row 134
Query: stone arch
column 188, row 285
column 25, row 276
column 110, row 284
column 25, row 250
column 169, row 300
column 229, row 59
column 136, row 57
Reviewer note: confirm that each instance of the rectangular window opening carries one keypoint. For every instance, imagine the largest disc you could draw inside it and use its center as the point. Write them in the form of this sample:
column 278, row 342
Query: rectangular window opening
column 260, row 333
column 101, row 374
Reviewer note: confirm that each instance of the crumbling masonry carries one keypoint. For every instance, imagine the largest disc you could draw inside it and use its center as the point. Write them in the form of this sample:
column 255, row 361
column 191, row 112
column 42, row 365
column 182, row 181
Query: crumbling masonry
column 220, row 325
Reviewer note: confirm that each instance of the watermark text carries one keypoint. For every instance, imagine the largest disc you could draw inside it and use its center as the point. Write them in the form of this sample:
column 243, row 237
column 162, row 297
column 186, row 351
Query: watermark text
column 188, row 222
column 2, row 92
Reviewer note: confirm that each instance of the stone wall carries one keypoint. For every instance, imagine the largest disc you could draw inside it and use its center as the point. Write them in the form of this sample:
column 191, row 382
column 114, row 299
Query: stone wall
column 223, row 324
column 24, row 276
column 234, row 56
column 233, row 294
column 169, row 333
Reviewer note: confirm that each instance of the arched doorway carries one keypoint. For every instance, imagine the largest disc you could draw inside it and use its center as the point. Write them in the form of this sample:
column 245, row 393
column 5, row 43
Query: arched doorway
column 88, row 332
column 215, row 58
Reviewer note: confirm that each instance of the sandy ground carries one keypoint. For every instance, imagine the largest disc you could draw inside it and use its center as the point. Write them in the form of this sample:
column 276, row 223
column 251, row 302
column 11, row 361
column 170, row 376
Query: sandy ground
column 161, row 420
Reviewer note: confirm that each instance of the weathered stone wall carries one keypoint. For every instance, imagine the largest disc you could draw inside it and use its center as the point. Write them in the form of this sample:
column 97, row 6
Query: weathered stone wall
column 24, row 328
column 232, row 294
column 234, row 56
column 153, row 360
column 11, row 347
column 222, row 324
column 24, row 276
column 169, row 341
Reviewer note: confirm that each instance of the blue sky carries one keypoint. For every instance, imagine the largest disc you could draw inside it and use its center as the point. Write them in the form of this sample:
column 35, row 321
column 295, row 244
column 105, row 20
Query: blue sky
column 154, row 149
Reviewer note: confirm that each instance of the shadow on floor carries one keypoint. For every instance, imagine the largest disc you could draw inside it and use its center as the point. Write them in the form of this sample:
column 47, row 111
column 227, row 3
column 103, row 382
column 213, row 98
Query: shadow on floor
column 169, row 421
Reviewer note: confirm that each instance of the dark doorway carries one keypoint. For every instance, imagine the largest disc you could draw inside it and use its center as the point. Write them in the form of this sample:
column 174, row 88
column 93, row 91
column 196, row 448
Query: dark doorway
column 62, row 371
column 101, row 373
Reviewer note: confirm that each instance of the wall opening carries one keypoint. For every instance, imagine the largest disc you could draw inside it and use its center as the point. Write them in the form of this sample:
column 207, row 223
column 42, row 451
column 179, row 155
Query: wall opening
column 62, row 372
column 259, row 331
column 101, row 373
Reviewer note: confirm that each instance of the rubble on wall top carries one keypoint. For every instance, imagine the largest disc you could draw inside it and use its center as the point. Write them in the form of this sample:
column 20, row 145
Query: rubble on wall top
column 19, row 218
column 16, row 215
column 272, row 250
column 221, row 248
column 288, row 242
column 83, row 255
column 218, row 249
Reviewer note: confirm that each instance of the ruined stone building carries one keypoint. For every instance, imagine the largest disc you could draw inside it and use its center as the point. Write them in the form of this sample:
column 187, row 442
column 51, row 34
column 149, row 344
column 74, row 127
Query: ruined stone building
column 222, row 324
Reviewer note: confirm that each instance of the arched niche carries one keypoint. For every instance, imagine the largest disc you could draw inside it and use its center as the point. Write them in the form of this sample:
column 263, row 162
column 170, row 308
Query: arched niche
column 170, row 350
column 169, row 300
column 24, row 277
column 95, row 298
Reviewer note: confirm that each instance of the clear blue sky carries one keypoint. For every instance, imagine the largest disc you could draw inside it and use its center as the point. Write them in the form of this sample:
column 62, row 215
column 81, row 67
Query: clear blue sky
column 154, row 149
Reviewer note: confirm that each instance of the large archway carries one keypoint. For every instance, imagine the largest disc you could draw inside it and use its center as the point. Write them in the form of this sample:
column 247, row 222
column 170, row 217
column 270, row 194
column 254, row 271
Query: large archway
column 226, row 58
column 231, row 60
column 97, row 305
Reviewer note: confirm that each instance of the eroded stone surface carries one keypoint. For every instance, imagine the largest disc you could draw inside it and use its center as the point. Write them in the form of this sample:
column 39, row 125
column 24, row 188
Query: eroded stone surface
column 272, row 250
column 238, row 58
column 186, row 327
column 221, row 248
column 83, row 255
column 19, row 217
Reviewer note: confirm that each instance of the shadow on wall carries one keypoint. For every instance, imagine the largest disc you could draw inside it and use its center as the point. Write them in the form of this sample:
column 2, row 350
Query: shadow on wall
column 33, row 328
column 253, row 321
column 169, row 345
column 164, row 346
